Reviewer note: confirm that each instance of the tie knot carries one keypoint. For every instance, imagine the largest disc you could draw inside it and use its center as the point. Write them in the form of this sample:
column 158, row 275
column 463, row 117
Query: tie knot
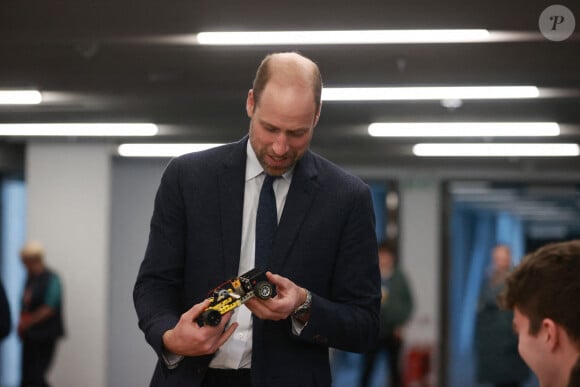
column 269, row 179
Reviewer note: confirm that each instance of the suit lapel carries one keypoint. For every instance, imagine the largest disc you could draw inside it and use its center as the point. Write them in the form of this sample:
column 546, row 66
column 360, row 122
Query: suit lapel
column 301, row 194
column 231, row 183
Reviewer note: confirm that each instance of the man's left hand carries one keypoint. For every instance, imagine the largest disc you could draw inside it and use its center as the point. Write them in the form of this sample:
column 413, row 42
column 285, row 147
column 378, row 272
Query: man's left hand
column 289, row 297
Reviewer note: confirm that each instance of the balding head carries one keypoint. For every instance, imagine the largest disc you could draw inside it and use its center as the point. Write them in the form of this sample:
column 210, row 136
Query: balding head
column 502, row 258
column 288, row 69
column 32, row 250
column 32, row 255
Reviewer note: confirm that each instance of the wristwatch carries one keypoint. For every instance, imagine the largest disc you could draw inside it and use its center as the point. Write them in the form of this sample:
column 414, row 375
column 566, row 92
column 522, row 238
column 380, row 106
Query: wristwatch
column 304, row 308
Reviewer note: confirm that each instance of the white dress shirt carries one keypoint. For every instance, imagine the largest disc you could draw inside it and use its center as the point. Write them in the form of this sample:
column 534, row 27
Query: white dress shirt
column 237, row 351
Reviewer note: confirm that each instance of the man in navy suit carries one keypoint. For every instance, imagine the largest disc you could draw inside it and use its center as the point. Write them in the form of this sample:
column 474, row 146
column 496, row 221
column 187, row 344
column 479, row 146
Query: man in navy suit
column 323, row 258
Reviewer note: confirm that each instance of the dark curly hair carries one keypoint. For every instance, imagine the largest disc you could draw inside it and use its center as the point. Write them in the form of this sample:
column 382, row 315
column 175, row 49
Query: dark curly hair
column 547, row 285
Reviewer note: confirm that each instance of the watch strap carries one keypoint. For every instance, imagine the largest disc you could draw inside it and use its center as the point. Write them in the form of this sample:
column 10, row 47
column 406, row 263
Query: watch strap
column 305, row 307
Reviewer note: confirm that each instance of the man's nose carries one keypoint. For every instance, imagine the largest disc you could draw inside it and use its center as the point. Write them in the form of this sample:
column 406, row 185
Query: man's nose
column 280, row 145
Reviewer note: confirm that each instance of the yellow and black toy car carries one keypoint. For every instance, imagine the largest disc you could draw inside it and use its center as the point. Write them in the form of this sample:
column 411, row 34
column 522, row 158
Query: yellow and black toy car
column 234, row 293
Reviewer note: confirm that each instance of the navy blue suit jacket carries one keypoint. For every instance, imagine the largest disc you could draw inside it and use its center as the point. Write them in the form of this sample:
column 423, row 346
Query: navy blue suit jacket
column 325, row 242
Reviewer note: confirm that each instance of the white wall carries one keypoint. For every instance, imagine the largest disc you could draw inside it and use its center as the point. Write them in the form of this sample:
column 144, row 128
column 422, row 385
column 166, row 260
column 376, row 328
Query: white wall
column 131, row 360
column 69, row 212
column 420, row 224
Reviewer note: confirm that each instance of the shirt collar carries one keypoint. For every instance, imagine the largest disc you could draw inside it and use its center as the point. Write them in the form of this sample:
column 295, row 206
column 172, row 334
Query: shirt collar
column 254, row 168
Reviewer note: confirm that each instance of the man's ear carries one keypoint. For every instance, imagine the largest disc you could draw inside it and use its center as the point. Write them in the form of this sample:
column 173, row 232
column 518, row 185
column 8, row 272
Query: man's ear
column 250, row 103
column 551, row 333
column 317, row 116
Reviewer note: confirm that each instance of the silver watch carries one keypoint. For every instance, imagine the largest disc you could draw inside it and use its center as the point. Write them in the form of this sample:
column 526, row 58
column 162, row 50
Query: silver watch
column 304, row 308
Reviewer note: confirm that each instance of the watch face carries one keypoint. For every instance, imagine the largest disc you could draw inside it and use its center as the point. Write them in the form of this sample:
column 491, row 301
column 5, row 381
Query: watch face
column 301, row 310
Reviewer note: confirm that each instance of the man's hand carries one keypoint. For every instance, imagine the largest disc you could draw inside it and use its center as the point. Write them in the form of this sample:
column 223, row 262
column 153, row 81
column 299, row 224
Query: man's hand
column 187, row 338
column 28, row 319
column 289, row 297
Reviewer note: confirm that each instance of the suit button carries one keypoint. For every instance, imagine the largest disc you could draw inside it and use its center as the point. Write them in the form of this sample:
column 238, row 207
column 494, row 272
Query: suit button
column 320, row 339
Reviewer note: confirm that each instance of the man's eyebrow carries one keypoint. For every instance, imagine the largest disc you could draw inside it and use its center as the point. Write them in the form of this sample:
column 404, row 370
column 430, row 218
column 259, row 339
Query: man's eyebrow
column 267, row 124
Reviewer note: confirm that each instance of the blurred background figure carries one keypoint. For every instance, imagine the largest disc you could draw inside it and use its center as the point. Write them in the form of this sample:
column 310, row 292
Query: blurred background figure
column 396, row 309
column 5, row 323
column 575, row 375
column 41, row 323
column 498, row 360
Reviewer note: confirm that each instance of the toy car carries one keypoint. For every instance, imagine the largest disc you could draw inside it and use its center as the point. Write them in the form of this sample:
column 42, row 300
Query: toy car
column 234, row 293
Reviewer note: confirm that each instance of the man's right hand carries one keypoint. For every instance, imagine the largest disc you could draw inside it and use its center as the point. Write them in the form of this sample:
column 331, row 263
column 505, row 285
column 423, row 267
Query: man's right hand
column 187, row 338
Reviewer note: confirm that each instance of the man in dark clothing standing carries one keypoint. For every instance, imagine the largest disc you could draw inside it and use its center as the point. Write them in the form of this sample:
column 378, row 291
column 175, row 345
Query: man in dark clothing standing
column 265, row 201
column 498, row 360
column 4, row 314
column 41, row 322
column 396, row 309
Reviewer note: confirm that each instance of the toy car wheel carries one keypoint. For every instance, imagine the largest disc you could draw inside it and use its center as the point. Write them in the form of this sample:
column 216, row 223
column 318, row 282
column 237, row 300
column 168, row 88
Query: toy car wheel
column 211, row 317
column 263, row 290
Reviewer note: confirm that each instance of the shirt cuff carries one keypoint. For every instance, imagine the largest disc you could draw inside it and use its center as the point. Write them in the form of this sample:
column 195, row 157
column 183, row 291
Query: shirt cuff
column 297, row 326
column 170, row 359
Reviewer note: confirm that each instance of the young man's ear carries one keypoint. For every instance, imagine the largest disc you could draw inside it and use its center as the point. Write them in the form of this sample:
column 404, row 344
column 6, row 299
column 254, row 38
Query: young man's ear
column 551, row 332
column 250, row 103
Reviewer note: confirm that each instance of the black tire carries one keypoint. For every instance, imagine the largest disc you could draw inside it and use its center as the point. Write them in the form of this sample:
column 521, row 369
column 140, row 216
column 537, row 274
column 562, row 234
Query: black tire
column 211, row 317
column 263, row 290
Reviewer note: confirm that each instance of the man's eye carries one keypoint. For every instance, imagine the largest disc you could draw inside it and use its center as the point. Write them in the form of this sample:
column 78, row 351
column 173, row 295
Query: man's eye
column 299, row 133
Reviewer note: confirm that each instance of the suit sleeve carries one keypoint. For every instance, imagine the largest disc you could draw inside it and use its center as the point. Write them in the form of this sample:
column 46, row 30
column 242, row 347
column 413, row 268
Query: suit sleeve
column 349, row 318
column 157, row 293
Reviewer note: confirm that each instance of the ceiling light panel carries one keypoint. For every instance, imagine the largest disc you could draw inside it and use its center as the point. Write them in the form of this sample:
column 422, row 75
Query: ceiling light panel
column 162, row 150
column 496, row 150
column 464, row 129
column 251, row 38
column 428, row 93
column 20, row 97
column 79, row 129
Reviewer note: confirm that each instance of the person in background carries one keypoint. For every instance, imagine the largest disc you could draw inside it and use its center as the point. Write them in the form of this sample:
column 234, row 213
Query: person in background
column 318, row 247
column 41, row 322
column 575, row 375
column 396, row 309
column 498, row 361
column 5, row 319
column 543, row 294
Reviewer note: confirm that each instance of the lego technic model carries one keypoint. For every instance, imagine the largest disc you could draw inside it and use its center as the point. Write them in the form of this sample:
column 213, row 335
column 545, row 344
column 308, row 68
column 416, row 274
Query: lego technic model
column 234, row 293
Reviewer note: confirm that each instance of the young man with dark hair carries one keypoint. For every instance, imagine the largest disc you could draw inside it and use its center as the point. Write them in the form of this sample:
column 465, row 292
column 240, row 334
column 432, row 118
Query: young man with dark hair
column 543, row 291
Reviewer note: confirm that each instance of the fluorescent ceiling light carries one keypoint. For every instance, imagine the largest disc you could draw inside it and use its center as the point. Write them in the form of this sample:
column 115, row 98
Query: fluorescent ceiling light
column 161, row 150
column 342, row 37
column 79, row 129
column 428, row 93
column 463, row 129
column 20, row 97
column 496, row 150
column 491, row 198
